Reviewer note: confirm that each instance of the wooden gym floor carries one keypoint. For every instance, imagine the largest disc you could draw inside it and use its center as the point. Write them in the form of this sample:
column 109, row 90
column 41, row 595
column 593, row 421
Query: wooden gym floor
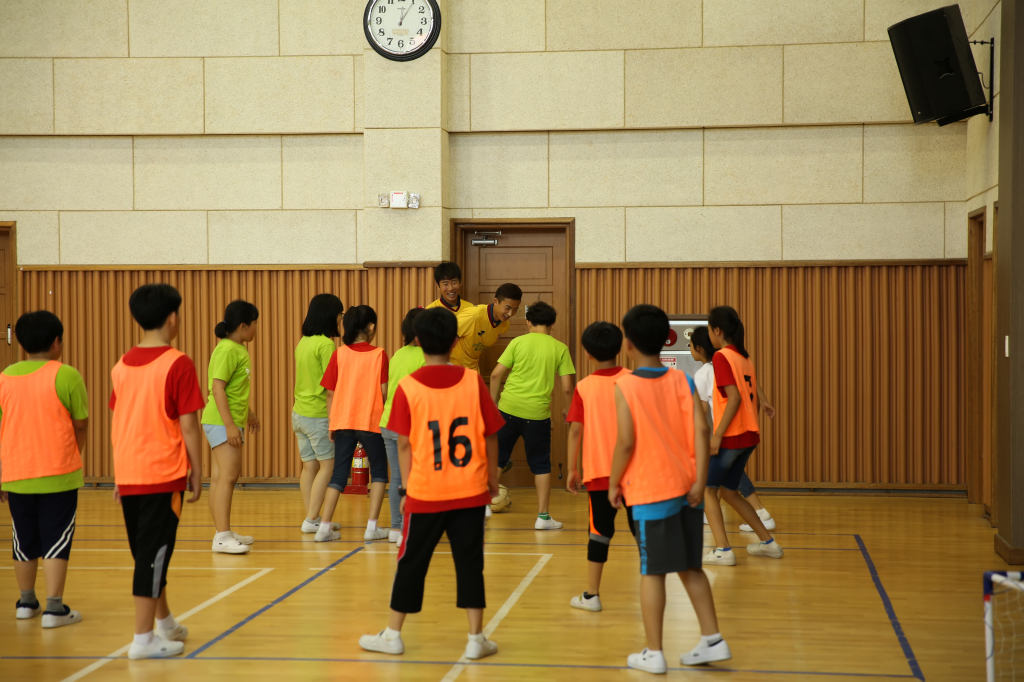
column 870, row 588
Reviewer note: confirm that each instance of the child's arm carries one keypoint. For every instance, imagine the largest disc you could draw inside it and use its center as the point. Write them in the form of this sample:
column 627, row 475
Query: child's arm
column 731, row 408
column 220, row 396
column 769, row 410
column 253, row 421
column 330, row 401
column 568, row 387
column 404, row 461
column 384, row 394
column 192, row 435
column 701, row 447
column 497, row 374
column 623, row 448
column 492, row 465
column 575, row 457
column 81, row 427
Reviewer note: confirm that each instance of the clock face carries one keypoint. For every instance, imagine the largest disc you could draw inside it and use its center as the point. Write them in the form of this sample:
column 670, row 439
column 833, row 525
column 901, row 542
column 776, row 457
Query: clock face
column 402, row 29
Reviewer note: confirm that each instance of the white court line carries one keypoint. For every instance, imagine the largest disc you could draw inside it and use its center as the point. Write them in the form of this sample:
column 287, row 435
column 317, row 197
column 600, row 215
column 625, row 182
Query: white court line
column 169, row 568
column 457, row 669
column 96, row 665
column 320, row 568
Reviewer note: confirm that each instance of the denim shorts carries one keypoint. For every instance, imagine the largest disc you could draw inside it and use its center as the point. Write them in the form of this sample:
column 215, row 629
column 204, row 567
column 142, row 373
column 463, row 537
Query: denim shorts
column 726, row 468
column 217, row 435
column 536, row 435
column 314, row 437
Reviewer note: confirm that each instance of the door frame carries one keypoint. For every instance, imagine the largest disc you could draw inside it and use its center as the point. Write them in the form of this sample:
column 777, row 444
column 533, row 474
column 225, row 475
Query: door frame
column 11, row 226
column 460, row 226
column 976, row 224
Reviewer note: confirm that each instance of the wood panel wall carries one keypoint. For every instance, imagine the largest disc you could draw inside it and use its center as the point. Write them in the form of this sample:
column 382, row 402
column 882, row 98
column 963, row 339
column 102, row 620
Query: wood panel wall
column 93, row 304
column 863, row 362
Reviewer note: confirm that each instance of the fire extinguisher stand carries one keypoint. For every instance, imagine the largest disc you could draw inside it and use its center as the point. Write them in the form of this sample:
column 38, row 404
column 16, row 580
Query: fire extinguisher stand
column 360, row 473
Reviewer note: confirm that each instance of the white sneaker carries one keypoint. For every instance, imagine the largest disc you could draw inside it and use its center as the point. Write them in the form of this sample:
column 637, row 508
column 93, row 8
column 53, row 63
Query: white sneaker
column 487, row 513
column 766, row 519
column 377, row 533
column 22, row 612
column 57, row 620
column 706, row 520
column 394, row 535
column 546, row 524
column 772, row 551
column 380, row 643
column 327, row 537
column 586, row 602
column 475, row 650
column 502, row 501
column 703, row 653
column 244, row 539
column 179, row 633
column 398, row 542
column 313, row 526
column 158, row 648
column 648, row 661
column 228, row 546
column 717, row 557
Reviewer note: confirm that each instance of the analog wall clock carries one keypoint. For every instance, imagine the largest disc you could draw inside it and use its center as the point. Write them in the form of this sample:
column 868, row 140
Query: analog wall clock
column 402, row 30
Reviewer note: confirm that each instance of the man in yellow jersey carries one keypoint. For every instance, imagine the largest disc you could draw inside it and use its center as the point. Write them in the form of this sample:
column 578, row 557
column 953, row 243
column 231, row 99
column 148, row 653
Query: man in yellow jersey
column 481, row 328
column 448, row 277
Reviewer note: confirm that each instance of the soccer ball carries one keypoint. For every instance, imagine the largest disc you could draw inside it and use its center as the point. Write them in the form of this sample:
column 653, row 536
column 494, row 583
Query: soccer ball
column 502, row 502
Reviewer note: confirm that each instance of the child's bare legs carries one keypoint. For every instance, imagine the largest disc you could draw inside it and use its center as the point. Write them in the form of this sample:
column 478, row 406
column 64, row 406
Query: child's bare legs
column 318, row 488
column 56, row 572
column 227, row 464
column 713, row 510
column 146, row 609
column 377, row 491
column 652, row 605
column 543, row 483
column 755, row 501
column 476, row 620
column 25, row 573
column 331, row 496
column 744, row 509
column 698, row 588
column 594, row 572
column 306, row 477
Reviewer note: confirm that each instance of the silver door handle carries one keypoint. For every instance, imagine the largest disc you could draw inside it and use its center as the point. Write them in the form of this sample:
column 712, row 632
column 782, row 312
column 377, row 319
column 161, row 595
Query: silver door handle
column 494, row 232
column 8, row 335
column 484, row 242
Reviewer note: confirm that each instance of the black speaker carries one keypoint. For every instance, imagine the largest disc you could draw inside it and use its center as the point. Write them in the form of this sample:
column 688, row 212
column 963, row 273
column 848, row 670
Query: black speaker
column 937, row 66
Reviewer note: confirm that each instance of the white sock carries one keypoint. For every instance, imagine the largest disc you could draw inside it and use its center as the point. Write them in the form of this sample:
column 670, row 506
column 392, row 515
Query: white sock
column 222, row 537
column 711, row 640
column 652, row 651
column 763, row 514
column 371, row 525
column 167, row 623
column 392, row 635
column 325, row 528
column 316, row 520
column 145, row 638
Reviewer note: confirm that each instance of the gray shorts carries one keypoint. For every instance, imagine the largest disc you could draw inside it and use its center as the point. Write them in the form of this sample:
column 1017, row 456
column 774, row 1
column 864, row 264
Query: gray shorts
column 218, row 435
column 313, row 434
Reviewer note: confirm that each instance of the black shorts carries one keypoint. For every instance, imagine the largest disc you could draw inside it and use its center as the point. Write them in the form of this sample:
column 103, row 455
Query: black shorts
column 536, row 435
column 420, row 535
column 345, row 442
column 602, row 525
column 152, row 525
column 44, row 524
column 671, row 545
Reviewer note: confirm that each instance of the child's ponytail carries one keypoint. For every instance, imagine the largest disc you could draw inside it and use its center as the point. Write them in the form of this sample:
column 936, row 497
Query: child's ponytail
column 356, row 320
column 236, row 314
column 728, row 321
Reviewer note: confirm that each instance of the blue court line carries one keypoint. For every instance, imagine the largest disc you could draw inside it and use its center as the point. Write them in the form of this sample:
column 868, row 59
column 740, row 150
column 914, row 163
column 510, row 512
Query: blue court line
column 272, row 604
column 900, row 635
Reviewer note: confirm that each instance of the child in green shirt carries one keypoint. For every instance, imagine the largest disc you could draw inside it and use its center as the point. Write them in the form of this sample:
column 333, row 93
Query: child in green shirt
column 404, row 362
column 226, row 415
column 531, row 362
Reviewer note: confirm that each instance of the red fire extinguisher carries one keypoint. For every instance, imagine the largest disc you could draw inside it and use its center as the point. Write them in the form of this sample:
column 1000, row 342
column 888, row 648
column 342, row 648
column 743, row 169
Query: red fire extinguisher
column 360, row 473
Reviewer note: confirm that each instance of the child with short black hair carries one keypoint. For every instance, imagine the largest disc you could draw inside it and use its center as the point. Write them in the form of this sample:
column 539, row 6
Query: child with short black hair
column 356, row 380
column 404, row 362
column 309, row 412
column 448, row 277
column 448, row 486
column 531, row 362
column 44, row 416
column 659, row 468
column 482, row 326
column 226, row 417
column 156, row 440
column 592, row 417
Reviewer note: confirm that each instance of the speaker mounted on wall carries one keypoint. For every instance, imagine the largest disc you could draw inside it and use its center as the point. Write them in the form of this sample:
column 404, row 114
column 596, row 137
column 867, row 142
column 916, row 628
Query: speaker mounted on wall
column 937, row 66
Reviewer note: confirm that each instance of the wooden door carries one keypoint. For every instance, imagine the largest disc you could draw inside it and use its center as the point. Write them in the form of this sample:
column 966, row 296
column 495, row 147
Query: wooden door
column 8, row 347
column 535, row 259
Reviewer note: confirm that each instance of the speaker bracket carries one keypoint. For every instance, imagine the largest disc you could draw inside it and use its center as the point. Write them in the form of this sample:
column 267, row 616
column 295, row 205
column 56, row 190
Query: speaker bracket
column 991, row 71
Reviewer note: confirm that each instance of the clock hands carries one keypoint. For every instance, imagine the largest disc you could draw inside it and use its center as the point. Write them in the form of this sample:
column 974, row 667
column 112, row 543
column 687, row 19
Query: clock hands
column 402, row 18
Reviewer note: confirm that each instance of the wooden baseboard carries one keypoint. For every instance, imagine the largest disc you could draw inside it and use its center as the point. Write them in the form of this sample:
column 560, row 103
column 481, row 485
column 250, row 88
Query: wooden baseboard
column 825, row 485
column 1011, row 555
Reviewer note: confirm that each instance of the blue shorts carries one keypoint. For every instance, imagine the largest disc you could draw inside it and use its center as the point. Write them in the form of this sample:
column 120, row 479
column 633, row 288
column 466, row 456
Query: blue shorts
column 314, row 437
column 536, row 435
column 217, row 434
column 726, row 468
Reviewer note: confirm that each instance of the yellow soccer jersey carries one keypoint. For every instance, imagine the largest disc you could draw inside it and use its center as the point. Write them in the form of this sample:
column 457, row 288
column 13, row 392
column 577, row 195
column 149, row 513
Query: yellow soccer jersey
column 464, row 310
column 476, row 334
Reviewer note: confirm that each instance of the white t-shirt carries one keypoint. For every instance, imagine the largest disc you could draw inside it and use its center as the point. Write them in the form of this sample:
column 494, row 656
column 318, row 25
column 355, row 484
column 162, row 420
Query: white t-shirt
column 704, row 380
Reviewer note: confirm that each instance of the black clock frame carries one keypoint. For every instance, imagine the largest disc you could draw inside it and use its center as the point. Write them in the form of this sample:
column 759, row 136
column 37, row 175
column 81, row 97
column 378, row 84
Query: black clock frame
column 422, row 50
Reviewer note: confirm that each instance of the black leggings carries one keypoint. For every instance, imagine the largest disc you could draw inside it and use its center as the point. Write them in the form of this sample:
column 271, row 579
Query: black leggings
column 345, row 446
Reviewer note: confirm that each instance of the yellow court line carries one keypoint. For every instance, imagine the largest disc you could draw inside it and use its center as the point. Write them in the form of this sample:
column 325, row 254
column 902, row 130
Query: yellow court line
column 96, row 665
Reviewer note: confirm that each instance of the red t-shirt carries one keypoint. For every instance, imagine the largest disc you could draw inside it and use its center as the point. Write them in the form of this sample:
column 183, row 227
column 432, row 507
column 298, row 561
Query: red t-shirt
column 182, row 395
column 443, row 376
column 330, row 380
column 724, row 377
